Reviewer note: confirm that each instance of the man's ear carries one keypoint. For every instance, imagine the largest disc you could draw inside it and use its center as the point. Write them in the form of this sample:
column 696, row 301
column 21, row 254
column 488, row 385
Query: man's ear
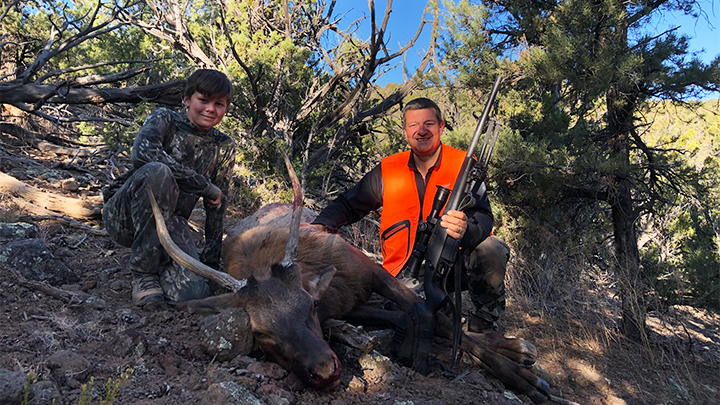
column 186, row 101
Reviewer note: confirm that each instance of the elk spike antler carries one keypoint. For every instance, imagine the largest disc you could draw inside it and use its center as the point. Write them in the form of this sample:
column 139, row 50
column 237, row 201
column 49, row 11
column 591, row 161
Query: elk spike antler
column 293, row 239
column 187, row 261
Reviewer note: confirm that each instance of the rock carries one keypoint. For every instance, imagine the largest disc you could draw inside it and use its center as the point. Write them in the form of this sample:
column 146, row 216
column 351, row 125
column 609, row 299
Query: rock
column 216, row 375
column 356, row 385
column 127, row 316
column 230, row 393
column 17, row 231
column 32, row 260
column 96, row 303
column 274, row 399
column 122, row 345
column 12, row 387
column 64, row 252
column 376, row 368
column 45, row 393
column 88, row 285
column 241, row 362
column 294, row 383
column 73, row 384
column 120, row 285
column 227, row 334
column 170, row 362
column 268, row 369
column 65, row 365
column 69, row 184
column 273, row 394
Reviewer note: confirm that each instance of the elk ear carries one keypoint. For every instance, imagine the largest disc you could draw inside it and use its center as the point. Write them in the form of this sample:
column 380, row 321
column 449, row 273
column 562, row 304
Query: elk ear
column 211, row 305
column 320, row 282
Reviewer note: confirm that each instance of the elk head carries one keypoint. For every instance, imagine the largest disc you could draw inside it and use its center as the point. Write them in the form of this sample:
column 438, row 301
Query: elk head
column 283, row 315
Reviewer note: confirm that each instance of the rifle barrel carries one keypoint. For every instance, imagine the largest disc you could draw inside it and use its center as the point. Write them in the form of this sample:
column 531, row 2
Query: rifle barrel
column 483, row 118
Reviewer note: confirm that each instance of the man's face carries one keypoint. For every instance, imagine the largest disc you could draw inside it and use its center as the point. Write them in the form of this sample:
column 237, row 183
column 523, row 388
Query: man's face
column 422, row 131
column 205, row 112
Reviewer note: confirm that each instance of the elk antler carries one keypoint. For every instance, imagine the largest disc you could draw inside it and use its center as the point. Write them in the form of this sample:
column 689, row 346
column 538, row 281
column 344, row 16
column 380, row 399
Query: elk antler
column 187, row 261
column 292, row 245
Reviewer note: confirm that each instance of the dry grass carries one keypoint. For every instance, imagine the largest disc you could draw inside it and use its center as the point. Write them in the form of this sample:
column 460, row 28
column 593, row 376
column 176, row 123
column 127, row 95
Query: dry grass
column 567, row 305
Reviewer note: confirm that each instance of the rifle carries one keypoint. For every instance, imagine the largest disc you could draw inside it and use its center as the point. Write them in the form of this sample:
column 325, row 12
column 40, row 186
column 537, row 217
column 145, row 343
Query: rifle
column 441, row 253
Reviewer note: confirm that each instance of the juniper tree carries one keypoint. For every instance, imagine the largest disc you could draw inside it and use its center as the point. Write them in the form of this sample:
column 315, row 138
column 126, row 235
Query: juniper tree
column 582, row 71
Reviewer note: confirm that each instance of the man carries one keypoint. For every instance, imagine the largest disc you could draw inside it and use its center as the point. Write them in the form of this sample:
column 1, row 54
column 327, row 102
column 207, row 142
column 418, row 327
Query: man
column 403, row 184
column 181, row 157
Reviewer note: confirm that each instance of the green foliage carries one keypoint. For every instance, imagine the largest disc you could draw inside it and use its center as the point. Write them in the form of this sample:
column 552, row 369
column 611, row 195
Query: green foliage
column 112, row 389
column 683, row 259
column 31, row 380
column 579, row 108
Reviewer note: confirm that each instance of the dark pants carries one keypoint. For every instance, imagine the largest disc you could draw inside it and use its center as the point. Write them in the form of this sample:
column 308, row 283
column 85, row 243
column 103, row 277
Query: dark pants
column 129, row 220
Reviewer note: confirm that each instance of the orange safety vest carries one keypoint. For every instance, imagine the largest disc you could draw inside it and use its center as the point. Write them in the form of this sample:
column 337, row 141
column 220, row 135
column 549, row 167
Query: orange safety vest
column 401, row 202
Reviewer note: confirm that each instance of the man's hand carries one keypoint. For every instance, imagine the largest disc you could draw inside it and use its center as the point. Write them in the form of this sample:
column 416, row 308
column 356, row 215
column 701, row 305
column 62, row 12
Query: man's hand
column 455, row 222
column 216, row 201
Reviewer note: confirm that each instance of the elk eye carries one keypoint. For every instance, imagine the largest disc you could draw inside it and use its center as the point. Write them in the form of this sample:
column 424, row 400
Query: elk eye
column 258, row 334
column 315, row 304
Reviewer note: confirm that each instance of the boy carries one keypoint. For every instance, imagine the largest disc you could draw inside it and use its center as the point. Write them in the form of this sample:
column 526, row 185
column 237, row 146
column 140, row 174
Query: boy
column 182, row 157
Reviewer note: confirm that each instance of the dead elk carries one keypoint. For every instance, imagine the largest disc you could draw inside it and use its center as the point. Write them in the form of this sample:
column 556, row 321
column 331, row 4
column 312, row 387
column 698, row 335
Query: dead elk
column 329, row 279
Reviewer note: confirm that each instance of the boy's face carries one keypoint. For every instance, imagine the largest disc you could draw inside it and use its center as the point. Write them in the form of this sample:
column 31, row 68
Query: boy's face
column 205, row 112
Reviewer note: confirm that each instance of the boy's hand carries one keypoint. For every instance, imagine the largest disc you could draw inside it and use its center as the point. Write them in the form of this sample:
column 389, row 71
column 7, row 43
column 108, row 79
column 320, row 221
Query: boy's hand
column 455, row 222
column 216, row 201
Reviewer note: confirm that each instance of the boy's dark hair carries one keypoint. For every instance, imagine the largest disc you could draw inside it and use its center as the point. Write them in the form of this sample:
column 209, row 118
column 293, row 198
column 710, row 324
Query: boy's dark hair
column 421, row 104
column 210, row 83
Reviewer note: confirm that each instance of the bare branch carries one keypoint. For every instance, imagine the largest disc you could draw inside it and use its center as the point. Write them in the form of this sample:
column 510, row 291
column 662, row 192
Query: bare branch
column 90, row 32
column 86, row 67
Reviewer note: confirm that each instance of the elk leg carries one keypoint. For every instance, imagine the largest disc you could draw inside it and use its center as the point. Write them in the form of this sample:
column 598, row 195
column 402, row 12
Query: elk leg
column 501, row 356
column 371, row 316
column 391, row 288
column 515, row 349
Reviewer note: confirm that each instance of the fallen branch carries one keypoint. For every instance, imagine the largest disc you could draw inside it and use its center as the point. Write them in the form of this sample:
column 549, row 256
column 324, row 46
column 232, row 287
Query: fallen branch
column 65, row 221
column 45, row 288
column 70, row 297
column 43, row 203
column 355, row 337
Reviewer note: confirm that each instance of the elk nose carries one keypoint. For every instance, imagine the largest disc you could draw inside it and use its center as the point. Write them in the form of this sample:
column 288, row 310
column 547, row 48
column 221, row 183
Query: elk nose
column 326, row 375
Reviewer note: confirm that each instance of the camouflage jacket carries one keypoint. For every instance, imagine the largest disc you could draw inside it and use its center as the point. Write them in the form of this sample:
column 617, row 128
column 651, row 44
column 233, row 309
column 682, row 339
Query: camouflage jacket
column 202, row 163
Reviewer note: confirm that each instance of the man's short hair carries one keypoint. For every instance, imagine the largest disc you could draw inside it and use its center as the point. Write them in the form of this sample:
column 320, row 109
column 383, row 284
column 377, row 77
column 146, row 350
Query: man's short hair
column 421, row 104
column 210, row 83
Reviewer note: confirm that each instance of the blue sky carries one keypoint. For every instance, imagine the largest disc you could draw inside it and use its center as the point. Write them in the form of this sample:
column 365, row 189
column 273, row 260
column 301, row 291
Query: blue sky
column 406, row 14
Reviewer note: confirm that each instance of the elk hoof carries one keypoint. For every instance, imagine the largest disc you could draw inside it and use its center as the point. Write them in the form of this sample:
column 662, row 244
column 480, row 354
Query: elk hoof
column 541, row 395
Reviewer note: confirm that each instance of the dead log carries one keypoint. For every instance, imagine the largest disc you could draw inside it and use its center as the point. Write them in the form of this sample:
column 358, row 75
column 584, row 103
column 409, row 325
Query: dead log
column 39, row 202
column 24, row 96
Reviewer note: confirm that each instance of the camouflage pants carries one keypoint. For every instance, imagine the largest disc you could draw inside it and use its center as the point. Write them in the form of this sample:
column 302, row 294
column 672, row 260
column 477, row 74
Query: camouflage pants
column 484, row 271
column 129, row 220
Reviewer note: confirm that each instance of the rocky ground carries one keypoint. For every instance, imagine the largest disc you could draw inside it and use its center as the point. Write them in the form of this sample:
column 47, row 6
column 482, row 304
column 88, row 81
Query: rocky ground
column 84, row 342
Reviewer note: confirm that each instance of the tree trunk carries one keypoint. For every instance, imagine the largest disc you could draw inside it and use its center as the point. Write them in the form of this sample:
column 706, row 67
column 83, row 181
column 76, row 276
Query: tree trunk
column 621, row 104
column 628, row 261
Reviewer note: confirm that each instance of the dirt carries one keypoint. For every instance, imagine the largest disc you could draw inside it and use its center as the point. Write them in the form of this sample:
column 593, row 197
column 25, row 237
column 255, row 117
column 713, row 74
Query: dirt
column 71, row 350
